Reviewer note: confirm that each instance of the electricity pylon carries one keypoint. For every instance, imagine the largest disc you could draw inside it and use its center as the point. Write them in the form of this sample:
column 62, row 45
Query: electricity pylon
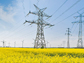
column 68, row 33
column 80, row 41
column 9, row 44
column 64, row 44
column 22, row 43
column 40, row 40
column 47, row 44
column 14, row 44
column 3, row 43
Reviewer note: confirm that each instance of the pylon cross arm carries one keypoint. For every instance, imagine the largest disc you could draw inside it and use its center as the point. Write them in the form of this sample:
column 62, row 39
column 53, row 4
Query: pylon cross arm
column 43, row 9
column 48, row 24
column 40, row 9
column 45, row 15
column 36, row 7
column 75, row 22
column 32, row 22
column 35, row 13
column 76, row 16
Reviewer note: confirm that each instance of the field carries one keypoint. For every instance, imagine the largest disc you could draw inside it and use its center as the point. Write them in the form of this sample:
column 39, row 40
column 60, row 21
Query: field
column 48, row 55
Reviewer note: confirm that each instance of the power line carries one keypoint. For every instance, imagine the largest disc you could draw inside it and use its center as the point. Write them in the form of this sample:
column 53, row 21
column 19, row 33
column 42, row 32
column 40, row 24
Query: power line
column 73, row 13
column 60, row 7
column 67, row 9
column 70, row 16
column 37, row 2
column 14, row 32
column 72, row 26
column 74, row 29
column 26, row 34
column 23, row 7
column 15, row 28
column 30, row 4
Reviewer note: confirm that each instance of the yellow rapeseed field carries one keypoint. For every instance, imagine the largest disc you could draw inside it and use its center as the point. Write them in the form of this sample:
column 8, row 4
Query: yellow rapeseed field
column 47, row 55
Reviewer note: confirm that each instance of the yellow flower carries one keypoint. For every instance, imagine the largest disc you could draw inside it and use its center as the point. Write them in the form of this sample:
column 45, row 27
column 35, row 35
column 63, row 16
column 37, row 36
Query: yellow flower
column 47, row 55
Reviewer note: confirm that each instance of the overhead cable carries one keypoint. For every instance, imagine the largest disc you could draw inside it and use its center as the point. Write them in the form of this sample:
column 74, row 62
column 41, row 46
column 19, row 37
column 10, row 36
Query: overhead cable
column 67, row 9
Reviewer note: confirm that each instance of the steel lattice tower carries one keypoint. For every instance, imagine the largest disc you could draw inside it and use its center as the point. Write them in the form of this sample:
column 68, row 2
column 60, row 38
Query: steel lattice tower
column 80, row 41
column 40, row 39
column 3, row 43
column 68, row 33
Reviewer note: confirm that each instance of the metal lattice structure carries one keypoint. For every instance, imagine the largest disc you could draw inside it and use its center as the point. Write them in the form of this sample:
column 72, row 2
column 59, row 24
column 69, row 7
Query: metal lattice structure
column 40, row 39
column 80, row 41
column 3, row 43
column 68, row 33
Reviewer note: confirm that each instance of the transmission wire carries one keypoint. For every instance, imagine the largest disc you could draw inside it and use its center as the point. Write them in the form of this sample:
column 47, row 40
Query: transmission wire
column 23, row 8
column 75, row 28
column 72, row 26
column 59, row 7
column 67, row 10
column 37, row 2
column 69, row 16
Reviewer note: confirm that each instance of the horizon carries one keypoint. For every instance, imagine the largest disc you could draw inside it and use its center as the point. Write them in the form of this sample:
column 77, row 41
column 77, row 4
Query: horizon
column 12, row 17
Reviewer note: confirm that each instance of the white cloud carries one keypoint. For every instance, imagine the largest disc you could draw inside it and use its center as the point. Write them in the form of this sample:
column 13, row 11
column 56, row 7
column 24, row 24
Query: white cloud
column 2, row 26
column 7, row 16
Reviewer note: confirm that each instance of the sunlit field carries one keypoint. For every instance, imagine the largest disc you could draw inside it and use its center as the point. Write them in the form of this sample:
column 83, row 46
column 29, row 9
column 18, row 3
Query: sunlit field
column 48, row 55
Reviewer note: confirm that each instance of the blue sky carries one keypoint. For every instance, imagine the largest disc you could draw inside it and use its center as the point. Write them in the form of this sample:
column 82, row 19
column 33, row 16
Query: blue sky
column 5, row 3
column 12, row 17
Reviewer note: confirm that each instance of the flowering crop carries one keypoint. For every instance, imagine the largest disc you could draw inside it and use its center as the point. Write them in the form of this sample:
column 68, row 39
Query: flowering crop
column 47, row 55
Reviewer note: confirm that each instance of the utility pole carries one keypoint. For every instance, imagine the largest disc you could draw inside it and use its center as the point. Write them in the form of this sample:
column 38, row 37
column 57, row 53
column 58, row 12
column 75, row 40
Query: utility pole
column 9, row 44
column 22, row 43
column 80, row 41
column 50, row 45
column 47, row 44
column 14, row 44
column 64, row 44
column 3, row 43
column 40, row 40
column 68, row 33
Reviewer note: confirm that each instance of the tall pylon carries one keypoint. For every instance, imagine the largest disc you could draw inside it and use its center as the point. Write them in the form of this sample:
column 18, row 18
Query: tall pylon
column 9, row 44
column 22, row 43
column 3, row 43
column 68, row 33
column 40, row 40
column 15, row 44
column 80, row 41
